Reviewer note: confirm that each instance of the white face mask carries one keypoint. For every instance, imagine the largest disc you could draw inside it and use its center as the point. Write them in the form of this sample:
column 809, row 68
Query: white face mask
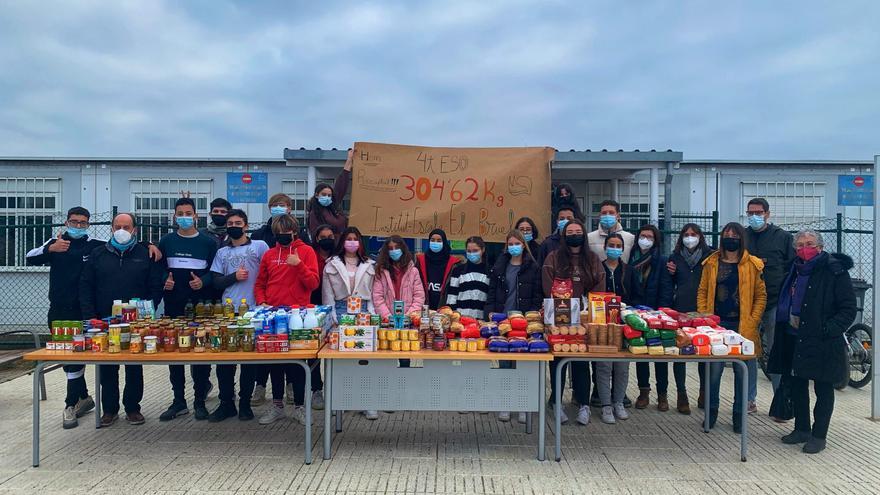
column 645, row 243
column 122, row 236
column 690, row 241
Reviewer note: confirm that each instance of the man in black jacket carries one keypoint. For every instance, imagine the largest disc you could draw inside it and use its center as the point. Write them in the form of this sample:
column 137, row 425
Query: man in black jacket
column 775, row 247
column 120, row 269
column 66, row 254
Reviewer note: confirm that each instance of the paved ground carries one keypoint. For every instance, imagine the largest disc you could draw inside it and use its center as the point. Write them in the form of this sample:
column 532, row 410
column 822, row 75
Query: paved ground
column 427, row 453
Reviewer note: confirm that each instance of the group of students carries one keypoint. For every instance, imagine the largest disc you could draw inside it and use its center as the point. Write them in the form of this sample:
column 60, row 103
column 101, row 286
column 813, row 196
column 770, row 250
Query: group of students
column 276, row 266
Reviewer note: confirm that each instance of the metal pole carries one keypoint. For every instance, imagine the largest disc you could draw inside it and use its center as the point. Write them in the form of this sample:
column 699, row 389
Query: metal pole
column 654, row 191
column 875, row 383
column 38, row 371
column 97, row 396
column 667, row 203
column 715, row 228
column 744, row 410
column 839, row 232
column 542, row 405
column 308, row 408
column 328, row 404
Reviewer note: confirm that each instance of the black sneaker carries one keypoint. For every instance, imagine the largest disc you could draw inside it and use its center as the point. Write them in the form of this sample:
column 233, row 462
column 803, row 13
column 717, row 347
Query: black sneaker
column 796, row 437
column 201, row 412
column 245, row 413
column 626, row 402
column 814, row 445
column 174, row 410
column 223, row 411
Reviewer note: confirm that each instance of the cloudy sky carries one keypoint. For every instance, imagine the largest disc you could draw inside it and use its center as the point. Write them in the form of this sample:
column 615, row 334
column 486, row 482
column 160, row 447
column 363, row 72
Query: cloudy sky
column 217, row 78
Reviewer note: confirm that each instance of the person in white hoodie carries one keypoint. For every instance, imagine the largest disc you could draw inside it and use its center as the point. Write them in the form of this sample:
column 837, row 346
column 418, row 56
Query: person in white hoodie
column 349, row 273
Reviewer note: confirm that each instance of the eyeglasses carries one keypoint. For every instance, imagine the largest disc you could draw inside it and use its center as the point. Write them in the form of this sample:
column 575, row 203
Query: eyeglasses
column 73, row 223
column 799, row 245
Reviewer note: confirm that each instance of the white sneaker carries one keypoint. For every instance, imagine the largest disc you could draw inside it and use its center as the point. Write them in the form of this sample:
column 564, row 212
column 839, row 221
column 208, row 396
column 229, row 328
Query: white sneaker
column 608, row 415
column 288, row 393
column 69, row 418
column 521, row 417
column 371, row 415
column 259, row 396
column 504, row 416
column 83, row 406
column 620, row 411
column 299, row 414
column 563, row 416
column 318, row 400
column 272, row 415
column 584, row 415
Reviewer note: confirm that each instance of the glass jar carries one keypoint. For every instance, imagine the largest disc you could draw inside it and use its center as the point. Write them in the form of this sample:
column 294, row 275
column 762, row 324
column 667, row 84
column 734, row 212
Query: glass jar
column 215, row 339
column 169, row 340
column 439, row 343
column 232, row 338
column 135, row 346
column 200, row 341
column 247, row 339
column 151, row 344
column 184, row 340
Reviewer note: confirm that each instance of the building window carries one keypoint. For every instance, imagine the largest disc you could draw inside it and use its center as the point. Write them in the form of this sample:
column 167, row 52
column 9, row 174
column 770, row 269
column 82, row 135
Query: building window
column 790, row 202
column 635, row 204
column 28, row 208
column 153, row 203
column 298, row 191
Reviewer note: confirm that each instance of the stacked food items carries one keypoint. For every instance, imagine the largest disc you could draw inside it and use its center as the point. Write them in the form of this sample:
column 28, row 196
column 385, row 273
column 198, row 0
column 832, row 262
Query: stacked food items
column 595, row 329
column 666, row 331
column 515, row 332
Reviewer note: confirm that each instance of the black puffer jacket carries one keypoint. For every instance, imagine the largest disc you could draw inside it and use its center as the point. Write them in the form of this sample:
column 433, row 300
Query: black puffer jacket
column 828, row 309
column 686, row 281
column 531, row 293
column 775, row 247
column 110, row 275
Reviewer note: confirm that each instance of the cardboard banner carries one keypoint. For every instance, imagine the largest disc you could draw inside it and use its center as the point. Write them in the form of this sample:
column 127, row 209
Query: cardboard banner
column 411, row 190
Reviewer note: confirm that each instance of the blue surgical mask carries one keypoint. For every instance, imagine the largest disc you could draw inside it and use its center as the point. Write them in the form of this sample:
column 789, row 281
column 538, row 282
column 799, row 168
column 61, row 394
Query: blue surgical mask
column 607, row 221
column 184, row 222
column 395, row 254
column 756, row 221
column 560, row 224
column 613, row 253
column 435, row 247
column 474, row 257
column 76, row 232
column 528, row 236
column 515, row 249
column 277, row 211
column 325, row 200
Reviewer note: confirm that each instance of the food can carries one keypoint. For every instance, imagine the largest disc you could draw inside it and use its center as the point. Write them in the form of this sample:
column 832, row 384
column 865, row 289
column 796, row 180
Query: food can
column 79, row 343
column 383, row 335
column 415, row 346
column 99, row 342
column 412, row 334
column 395, row 345
column 151, row 344
column 392, row 334
column 404, row 345
column 453, row 345
column 383, row 345
column 472, row 345
column 481, row 344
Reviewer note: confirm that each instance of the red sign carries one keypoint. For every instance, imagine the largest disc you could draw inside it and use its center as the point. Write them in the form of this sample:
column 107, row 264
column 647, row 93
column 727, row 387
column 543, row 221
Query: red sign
column 247, row 178
column 859, row 181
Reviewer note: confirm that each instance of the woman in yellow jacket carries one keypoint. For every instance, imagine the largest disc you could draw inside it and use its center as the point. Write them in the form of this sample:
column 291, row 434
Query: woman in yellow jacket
column 732, row 287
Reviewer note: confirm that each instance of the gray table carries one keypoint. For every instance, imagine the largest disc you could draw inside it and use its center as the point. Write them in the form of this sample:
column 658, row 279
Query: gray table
column 738, row 361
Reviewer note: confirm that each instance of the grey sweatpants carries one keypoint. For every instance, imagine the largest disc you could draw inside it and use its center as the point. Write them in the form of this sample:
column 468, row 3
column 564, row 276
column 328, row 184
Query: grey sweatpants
column 611, row 382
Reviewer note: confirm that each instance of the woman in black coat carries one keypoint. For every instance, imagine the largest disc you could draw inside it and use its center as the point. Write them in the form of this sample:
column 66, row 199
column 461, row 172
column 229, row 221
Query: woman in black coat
column 816, row 306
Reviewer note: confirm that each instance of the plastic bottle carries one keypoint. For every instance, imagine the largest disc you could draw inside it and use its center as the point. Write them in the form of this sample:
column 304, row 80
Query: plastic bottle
column 243, row 307
column 282, row 323
column 189, row 311
column 218, row 308
column 311, row 319
column 228, row 308
column 296, row 321
column 200, row 308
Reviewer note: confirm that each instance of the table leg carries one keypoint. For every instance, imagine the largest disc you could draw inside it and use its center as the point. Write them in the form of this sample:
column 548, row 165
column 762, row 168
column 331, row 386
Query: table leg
column 557, row 407
column 38, row 372
column 744, row 411
column 707, row 395
column 328, row 405
column 528, row 423
column 542, row 404
column 308, row 407
column 97, row 396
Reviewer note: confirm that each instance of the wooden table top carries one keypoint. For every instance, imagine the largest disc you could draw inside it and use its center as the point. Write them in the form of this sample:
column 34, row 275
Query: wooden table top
column 162, row 357
column 629, row 355
column 484, row 355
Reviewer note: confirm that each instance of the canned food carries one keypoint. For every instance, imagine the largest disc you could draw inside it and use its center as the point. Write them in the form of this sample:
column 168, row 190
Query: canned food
column 481, row 344
column 472, row 345
column 415, row 346
column 395, row 345
column 404, row 345
column 413, row 334
column 453, row 345
column 79, row 343
column 392, row 334
column 383, row 345
column 383, row 335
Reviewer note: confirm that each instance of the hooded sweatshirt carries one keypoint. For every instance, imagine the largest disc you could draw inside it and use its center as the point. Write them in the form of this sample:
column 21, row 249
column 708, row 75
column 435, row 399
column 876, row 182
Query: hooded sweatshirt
column 435, row 269
column 281, row 284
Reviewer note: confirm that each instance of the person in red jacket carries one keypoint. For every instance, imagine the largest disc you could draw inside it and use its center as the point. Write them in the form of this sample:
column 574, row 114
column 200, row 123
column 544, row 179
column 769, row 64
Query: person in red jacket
column 288, row 275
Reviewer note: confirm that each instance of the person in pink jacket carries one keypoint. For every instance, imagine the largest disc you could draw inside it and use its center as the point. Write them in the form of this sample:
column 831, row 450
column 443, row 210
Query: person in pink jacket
column 397, row 279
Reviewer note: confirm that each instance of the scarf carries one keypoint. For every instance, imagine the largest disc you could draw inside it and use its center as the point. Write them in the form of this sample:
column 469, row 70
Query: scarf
column 692, row 259
column 794, row 289
column 218, row 231
column 642, row 263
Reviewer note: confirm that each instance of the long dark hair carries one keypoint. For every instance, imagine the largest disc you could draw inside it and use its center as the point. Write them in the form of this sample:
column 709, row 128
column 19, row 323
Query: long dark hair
column 340, row 244
column 702, row 245
column 658, row 238
column 739, row 230
column 535, row 234
column 383, row 262
column 557, row 202
column 320, row 210
column 587, row 257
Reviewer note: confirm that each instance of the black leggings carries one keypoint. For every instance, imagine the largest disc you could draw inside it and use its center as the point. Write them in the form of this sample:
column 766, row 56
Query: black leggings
column 295, row 375
column 580, row 381
column 661, row 370
column 800, row 398
column 262, row 375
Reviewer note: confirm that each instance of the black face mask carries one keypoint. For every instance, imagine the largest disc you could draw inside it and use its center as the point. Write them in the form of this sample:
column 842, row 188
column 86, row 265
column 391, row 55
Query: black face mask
column 326, row 244
column 218, row 220
column 576, row 240
column 284, row 239
column 235, row 232
column 731, row 244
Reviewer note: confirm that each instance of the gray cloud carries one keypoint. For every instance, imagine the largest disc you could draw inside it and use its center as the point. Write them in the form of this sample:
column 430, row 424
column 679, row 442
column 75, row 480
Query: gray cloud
column 780, row 80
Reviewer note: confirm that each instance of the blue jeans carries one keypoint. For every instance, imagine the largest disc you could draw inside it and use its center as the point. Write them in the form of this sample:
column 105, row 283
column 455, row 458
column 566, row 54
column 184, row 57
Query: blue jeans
column 716, row 370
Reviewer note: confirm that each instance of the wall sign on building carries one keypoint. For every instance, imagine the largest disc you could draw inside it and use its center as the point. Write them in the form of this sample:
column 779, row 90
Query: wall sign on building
column 248, row 187
column 855, row 190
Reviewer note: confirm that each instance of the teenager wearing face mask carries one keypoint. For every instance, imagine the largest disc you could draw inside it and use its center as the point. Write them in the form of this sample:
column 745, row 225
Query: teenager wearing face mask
column 279, row 204
column 816, row 306
column 686, row 268
column 435, row 266
column 216, row 228
column 655, row 291
column 563, row 197
column 349, row 272
column 574, row 261
column 469, row 282
column 324, row 244
column 235, row 269
column 732, row 287
column 325, row 206
column 529, row 230
column 564, row 215
column 288, row 274
column 609, row 222
column 188, row 256
column 514, row 285
column 775, row 248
